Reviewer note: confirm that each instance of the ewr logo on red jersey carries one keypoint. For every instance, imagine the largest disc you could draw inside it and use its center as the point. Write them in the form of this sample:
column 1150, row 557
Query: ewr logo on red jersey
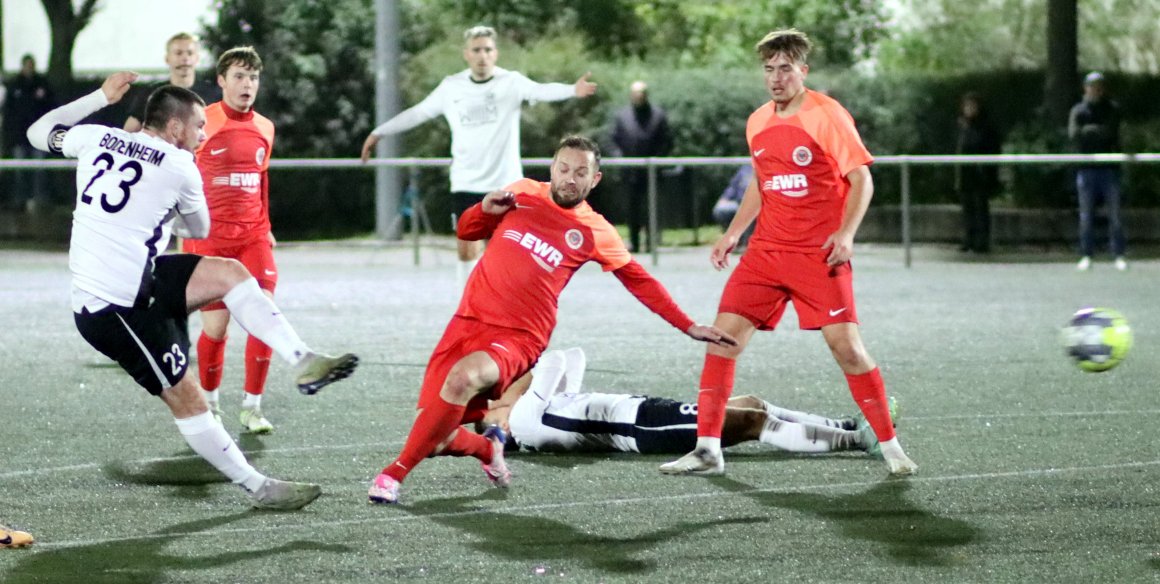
column 790, row 185
column 247, row 181
column 543, row 252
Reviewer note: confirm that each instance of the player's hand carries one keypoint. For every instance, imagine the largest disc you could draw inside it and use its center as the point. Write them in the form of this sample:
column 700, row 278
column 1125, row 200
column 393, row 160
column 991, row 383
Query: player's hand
column 584, row 87
column 841, row 246
column 719, row 257
column 711, row 334
column 117, row 85
column 498, row 202
column 368, row 147
column 270, row 236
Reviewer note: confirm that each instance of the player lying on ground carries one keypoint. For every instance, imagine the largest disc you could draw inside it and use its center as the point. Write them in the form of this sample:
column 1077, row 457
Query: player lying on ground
column 549, row 411
column 544, row 232
column 131, row 303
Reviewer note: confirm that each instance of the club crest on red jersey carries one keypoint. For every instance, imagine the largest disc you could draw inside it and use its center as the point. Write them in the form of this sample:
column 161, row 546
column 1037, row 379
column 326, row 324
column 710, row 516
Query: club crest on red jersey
column 802, row 156
column 574, row 238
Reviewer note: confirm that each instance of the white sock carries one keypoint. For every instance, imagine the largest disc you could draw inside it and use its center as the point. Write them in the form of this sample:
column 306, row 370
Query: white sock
column 548, row 375
column 575, row 362
column 805, row 438
column 207, row 438
column 463, row 270
column 211, row 397
column 892, row 449
column 712, row 445
column 252, row 400
column 261, row 318
column 800, row 417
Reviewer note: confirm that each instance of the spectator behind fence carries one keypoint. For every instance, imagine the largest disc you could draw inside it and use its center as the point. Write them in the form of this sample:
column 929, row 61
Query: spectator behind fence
column 28, row 96
column 730, row 200
column 1094, row 127
column 640, row 129
column 976, row 183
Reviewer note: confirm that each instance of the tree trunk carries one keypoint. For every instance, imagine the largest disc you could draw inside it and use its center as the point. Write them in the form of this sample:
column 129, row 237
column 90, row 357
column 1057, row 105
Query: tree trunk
column 1062, row 87
column 65, row 24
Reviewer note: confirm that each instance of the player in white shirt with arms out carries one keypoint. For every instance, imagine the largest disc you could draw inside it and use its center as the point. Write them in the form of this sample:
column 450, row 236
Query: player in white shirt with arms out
column 549, row 411
column 130, row 302
column 482, row 105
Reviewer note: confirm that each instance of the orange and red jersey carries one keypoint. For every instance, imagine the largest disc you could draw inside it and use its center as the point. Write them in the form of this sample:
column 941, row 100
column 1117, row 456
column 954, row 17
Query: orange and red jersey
column 234, row 163
column 800, row 164
column 535, row 248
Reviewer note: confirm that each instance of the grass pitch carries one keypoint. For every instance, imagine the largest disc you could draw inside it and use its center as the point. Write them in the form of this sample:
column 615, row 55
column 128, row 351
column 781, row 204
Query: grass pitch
column 1030, row 470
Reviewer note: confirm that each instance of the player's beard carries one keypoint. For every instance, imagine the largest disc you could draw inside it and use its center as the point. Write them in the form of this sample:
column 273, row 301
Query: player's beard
column 567, row 200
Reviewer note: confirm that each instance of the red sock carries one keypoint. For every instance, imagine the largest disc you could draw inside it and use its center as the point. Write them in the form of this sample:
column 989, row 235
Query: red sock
column 211, row 356
column 870, row 394
column 716, row 387
column 257, row 365
column 434, row 424
column 468, row 443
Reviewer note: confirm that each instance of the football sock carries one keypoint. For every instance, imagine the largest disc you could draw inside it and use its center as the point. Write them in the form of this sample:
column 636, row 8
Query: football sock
column 211, row 397
column 207, row 438
column 800, row 417
column 716, row 386
column 257, row 366
column 892, row 449
column 434, row 424
column 467, row 443
column 252, row 400
column 575, row 362
column 870, row 394
column 211, row 357
column 807, row 438
column 463, row 270
column 261, row 318
column 548, row 375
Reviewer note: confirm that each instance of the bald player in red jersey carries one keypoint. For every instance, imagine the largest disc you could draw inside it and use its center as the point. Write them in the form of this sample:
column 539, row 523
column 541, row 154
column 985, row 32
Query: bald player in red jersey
column 810, row 190
column 540, row 235
column 234, row 162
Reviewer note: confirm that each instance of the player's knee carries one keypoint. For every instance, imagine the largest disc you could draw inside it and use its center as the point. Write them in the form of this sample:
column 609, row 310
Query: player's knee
column 747, row 401
column 850, row 355
column 462, row 384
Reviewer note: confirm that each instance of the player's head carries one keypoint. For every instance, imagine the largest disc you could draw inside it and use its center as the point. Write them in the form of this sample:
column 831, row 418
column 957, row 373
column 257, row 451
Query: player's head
column 27, row 64
column 479, row 51
column 638, row 93
column 575, row 170
column 182, row 52
column 783, row 55
column 177, row 115
column 239, row 73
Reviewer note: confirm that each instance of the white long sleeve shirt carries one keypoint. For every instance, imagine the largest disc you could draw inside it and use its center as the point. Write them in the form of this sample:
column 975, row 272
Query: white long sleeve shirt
column 485, row 124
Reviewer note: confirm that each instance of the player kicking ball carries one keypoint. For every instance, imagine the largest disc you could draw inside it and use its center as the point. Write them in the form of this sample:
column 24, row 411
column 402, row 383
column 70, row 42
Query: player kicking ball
column 549, row 411
column 131, row 303
column 543, row 233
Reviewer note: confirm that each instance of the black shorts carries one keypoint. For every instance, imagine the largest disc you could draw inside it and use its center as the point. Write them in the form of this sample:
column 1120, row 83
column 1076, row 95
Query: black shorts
column 462, row 201
column 665, row 426
column 150, row 342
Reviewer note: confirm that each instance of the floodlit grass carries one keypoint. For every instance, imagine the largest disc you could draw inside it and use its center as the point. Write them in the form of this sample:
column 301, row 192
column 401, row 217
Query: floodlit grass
column 1030, row 470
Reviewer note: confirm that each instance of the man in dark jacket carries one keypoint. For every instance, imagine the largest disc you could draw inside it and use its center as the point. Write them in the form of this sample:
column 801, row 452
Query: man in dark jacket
column 27, row 97
column 1094, row 127
column 641, row 129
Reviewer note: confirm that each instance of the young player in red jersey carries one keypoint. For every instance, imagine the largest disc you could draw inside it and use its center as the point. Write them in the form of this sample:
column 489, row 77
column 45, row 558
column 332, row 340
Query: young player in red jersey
column 810, row 190
column 234, row 162
column 540, row 235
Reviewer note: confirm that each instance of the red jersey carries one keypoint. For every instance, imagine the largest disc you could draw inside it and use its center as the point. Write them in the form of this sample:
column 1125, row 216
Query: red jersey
column 801, row 163
column 535, row 249
column 234, row 162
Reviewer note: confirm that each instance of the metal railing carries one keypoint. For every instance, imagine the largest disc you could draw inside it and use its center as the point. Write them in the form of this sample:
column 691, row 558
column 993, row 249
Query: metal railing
column 904, row 162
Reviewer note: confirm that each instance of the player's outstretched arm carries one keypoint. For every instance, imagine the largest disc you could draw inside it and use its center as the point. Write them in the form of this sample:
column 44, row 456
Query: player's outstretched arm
column 711, row 334
column 369, row 147
column 111, row 91
column 498, row 202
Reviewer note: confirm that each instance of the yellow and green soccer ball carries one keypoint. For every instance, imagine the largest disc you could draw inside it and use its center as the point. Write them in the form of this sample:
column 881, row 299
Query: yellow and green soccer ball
column 1097, row 339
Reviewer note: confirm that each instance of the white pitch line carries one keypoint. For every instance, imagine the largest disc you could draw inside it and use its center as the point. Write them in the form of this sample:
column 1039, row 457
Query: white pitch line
column 396, row 518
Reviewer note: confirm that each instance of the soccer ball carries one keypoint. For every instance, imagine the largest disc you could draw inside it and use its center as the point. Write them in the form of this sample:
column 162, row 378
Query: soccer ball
column 1097, row 339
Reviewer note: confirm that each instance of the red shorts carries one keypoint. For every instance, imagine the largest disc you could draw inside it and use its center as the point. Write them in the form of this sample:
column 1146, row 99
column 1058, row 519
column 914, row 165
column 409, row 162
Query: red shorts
column 514, row 350
column 257, row 256
column 765, row 280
